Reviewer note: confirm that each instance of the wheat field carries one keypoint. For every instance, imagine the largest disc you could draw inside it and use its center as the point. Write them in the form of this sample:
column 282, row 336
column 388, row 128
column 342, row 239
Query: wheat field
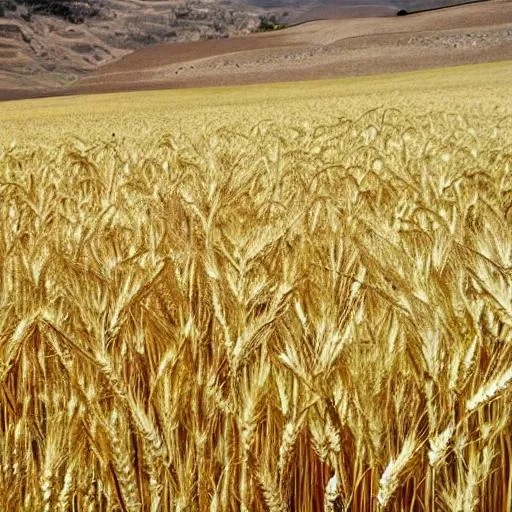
column 286, row 298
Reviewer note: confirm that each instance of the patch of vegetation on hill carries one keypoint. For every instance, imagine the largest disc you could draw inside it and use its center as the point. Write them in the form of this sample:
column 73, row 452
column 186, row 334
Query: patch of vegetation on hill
column 69, row 10
column 269, row 23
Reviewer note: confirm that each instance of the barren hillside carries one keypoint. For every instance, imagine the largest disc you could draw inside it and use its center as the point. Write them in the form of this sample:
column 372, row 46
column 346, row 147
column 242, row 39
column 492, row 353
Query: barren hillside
column 321, row 49
column 42, row 45
column 114, row 44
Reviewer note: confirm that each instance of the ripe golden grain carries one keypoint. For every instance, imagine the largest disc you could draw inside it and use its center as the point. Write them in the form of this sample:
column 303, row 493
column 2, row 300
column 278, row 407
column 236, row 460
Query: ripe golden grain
column 260, row 312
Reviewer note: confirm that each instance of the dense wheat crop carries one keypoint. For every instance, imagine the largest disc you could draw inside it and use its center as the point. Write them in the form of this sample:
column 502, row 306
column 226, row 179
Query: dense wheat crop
column 299, row 312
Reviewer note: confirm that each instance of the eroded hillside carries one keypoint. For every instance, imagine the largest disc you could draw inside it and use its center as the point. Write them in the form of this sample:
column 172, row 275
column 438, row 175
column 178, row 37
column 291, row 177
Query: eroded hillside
column 50, row 43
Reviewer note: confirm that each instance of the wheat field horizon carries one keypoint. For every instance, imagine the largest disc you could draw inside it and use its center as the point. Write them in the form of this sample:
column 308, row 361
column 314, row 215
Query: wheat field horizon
column 286, row 298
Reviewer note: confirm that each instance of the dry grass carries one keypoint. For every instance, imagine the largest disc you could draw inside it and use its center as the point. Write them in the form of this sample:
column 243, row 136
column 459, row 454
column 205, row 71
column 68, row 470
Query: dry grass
column 268, row 315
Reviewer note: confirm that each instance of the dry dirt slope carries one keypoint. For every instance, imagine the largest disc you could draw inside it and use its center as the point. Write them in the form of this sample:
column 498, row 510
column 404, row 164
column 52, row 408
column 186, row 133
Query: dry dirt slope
column 42, row 48
column 321, row 49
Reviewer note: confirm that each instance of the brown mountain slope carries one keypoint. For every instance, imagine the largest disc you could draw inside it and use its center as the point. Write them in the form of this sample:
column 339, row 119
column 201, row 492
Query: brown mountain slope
column 41, row 48
column 329, row 48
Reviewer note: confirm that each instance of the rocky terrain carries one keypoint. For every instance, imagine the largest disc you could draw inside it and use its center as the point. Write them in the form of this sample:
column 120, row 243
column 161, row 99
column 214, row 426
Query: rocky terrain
column 55, row 42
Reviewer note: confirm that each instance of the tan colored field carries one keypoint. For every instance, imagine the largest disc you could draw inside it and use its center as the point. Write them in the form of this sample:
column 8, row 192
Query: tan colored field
column 286, row 298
